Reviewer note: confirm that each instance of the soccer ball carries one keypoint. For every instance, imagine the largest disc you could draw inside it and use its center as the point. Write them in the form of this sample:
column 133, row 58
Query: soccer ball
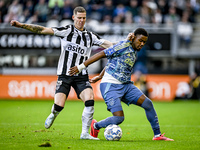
column 113, row 133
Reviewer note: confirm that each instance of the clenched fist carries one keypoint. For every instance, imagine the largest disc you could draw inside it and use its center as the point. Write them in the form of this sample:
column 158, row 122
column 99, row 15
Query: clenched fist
column 15, row 23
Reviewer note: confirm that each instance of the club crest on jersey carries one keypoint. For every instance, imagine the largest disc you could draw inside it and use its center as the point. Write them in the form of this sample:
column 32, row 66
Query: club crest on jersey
column 87, row 83
column 76, row 48
column 58, row 84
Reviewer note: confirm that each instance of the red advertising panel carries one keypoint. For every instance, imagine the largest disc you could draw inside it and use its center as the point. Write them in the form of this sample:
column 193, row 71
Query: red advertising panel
column 165, row 87
column 160, row 87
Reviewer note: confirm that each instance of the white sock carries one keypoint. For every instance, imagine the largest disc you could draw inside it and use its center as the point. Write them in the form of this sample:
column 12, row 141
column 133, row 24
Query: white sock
column 87, row 117
column 94, row 126
column 158, row 135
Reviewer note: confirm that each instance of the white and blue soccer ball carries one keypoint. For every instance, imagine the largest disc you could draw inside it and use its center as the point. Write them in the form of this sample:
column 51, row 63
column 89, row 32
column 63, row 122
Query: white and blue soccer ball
column 113, row 133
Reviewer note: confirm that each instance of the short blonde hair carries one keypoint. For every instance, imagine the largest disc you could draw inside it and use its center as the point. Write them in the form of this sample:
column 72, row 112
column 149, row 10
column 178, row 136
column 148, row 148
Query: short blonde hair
column 79, row 9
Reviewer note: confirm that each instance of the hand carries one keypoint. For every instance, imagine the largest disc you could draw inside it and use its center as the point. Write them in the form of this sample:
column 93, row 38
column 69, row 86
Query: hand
column 95, row 79
column 74, row 70
column 15, row 23
column 130, row 37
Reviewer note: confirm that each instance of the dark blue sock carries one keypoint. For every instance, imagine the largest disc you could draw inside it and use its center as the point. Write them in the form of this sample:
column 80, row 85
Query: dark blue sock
column 110, row 120
column 151, row 115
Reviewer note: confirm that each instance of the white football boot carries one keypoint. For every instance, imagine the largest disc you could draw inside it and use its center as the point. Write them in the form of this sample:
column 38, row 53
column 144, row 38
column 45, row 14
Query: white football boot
column 50, row 119
column 87, row 136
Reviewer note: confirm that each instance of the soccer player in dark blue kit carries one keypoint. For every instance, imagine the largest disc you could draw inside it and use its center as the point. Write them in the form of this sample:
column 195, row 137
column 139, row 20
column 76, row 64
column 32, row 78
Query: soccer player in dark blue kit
column 116, row 84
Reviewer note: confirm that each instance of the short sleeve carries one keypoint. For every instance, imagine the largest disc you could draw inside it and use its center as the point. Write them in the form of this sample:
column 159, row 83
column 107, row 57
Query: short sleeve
column 97, row 40
column 117, row 49
column 61, row 31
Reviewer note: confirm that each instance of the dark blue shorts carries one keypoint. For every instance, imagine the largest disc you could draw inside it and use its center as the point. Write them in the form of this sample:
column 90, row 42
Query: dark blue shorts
column 113, row 94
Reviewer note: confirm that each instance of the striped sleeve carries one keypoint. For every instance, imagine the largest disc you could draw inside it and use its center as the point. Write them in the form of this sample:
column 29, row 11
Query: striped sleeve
column 61, row 31
column 97, row 40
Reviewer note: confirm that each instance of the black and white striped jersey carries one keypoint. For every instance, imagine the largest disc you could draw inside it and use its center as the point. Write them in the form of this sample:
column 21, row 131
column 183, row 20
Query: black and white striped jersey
column 76, row 47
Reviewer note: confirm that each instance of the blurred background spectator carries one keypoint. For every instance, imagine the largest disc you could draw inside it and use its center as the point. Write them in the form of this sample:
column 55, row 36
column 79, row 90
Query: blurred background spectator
column 163, row 8
column 106, row 11
column 15, row 10
column 67, row 10
column 3, row 10
column 172, row 17
column 53, row 3
column 42, row 11
column 140, row 70
column 133, row 7
column 195, row 84
column 185, row 30
column 119, row 13
column 141, row 61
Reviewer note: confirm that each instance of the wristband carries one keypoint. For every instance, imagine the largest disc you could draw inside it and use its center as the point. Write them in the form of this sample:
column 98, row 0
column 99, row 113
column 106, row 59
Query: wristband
column 81, row 67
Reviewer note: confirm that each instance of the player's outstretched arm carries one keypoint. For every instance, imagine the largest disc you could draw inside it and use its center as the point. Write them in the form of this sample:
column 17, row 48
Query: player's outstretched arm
column 33, row 28
column 108, row 44
column 77, row 69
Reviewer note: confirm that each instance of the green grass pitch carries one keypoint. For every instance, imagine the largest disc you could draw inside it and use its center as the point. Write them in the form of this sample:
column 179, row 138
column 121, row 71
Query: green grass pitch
column 22, row 126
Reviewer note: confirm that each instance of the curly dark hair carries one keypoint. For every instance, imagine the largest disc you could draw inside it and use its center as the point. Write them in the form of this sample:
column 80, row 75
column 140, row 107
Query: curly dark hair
column 140, row 31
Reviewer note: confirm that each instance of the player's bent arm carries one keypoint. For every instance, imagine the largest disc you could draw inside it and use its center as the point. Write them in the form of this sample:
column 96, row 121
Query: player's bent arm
column 102, row 73
column 77, row 69
column 94, row 58
column 99, row 77
column 33, row 28
column 130, row 37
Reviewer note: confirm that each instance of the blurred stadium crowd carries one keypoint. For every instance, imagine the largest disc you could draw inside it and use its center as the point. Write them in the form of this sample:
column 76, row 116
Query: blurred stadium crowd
column 106, row 11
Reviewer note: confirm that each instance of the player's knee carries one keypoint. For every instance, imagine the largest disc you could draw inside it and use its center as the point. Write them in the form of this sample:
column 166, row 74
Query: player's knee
column 147, row 104
column 118, row 119
column 89, row 103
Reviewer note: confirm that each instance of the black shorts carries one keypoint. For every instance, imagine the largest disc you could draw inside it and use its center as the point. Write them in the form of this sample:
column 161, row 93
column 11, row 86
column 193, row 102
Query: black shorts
column 79, row 83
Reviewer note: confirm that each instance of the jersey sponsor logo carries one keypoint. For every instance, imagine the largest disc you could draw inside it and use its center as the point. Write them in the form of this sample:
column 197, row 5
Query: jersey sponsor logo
column 76, row 48
column 118, row 47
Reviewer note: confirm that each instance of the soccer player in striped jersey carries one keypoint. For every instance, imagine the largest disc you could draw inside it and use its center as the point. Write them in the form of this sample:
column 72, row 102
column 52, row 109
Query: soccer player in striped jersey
column 116, row 84
column 76, row 46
